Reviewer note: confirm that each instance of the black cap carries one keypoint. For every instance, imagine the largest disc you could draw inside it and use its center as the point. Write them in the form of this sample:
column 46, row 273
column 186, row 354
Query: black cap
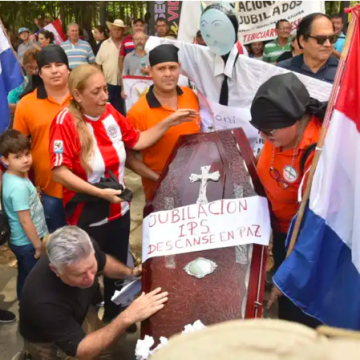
column 279, row 102
column 51, row 54
column 163, row 53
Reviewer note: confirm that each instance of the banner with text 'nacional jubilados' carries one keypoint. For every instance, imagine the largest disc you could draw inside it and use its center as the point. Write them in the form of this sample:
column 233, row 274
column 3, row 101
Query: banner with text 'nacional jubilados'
column 257, row 19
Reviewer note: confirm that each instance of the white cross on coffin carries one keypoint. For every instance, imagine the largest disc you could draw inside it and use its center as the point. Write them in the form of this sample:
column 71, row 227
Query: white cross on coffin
column 204, row 178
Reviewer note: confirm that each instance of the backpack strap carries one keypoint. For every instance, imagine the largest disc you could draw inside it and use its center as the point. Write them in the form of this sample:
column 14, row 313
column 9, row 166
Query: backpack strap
column 307, row 152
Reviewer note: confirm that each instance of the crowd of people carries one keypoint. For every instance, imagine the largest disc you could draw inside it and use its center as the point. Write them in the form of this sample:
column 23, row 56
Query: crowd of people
column 64, row 159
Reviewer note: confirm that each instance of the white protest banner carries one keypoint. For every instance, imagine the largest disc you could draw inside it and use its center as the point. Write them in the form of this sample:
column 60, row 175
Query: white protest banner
column 197, row 227
column 257, row 19
column 216, row 117
column 199, row 64
column 134, row 88
column 254, row 73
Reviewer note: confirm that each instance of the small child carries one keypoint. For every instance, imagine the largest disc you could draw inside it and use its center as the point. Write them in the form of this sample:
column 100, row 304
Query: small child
column 21, row 204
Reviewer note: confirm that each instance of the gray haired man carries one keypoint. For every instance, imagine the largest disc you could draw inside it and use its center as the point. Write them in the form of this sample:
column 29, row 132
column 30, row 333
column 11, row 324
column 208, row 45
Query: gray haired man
column 58, row 293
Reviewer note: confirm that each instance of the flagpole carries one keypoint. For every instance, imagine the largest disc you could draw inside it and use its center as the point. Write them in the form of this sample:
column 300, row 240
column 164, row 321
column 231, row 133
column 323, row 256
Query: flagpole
column 14, row 52
column 335, row 90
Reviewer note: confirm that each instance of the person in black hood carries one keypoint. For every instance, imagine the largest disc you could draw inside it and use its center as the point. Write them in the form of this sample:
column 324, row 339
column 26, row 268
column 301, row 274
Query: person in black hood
column 290, row 122
column 45, row 95
column 49, row 54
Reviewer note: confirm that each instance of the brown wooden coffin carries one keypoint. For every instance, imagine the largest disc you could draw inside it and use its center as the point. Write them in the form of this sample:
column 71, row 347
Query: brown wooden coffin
column 235, row 289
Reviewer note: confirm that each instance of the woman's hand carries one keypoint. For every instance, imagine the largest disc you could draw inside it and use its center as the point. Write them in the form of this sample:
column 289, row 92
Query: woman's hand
column 111, row 195
column 151, row 136
column 180, row 116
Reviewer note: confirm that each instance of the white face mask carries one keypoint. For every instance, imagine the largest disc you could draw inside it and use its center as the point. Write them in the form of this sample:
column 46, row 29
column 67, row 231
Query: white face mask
column 217, row 31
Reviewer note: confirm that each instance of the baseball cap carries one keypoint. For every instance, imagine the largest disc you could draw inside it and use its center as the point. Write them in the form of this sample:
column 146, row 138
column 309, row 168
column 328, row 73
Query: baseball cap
column 23, row 29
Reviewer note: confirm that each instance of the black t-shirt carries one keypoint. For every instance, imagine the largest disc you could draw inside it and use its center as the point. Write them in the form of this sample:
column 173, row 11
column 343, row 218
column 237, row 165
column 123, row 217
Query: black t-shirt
column 53, row 312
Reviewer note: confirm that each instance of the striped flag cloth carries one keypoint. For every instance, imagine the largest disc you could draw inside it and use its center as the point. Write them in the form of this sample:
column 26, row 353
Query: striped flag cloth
column 56, row 28
column 322, row 273
column 10, row 78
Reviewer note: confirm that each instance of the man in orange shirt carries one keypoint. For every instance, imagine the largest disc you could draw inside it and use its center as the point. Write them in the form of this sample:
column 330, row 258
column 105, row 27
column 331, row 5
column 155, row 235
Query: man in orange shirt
column 165, row 98
column 33, row 117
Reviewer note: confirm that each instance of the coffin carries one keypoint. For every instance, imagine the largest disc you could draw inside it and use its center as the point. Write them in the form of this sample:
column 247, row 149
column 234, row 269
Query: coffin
column 235, row 290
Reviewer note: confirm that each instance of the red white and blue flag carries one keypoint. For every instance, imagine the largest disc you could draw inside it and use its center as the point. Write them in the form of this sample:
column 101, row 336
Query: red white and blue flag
column 322, row 273
column 10, row 78
column 56, row 28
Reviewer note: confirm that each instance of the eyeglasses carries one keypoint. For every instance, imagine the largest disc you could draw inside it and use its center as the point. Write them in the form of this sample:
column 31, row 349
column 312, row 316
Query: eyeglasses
column 277, row 177
column 321, row 39
column 267, row 132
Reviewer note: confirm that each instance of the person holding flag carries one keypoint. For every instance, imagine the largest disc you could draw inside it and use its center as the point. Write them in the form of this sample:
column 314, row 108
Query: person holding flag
column 290, row 121
column 321, row 274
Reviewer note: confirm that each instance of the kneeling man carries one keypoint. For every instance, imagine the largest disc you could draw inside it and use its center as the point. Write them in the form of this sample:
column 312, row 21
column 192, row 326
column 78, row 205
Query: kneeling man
column 59, row 291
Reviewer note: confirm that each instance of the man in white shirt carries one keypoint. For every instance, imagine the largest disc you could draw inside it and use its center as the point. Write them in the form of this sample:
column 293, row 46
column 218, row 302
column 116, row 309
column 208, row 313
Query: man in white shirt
column 107, row 58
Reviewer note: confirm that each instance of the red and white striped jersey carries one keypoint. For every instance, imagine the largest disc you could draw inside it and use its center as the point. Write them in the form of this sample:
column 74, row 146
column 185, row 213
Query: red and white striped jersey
column 110, row 133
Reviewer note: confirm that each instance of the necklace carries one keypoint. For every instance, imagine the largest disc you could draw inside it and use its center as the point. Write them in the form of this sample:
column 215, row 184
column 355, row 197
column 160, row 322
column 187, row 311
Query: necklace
column 290, row 171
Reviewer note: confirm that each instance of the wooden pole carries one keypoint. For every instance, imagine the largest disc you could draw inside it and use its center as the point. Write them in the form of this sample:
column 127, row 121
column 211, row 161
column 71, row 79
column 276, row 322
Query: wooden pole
column 320, row 144
column 14, row 52
column 339, row 333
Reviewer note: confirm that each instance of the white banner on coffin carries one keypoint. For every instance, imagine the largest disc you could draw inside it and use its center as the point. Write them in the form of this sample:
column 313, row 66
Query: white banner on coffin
column 215, row 225
column 216, row 117
column 257, row 19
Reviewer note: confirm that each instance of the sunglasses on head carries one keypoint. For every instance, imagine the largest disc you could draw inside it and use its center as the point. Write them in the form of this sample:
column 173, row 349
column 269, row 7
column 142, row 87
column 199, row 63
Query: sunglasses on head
column 321, row 39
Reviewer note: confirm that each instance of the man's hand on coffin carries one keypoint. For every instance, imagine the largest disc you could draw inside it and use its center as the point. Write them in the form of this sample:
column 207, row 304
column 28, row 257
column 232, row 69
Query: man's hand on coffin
column 145, row 306
column 111, row 195
column 275, row 293
column 180, row 116
column 136, row 271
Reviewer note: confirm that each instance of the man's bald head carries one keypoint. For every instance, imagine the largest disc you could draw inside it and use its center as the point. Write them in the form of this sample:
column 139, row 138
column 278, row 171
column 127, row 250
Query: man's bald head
column 139, row 40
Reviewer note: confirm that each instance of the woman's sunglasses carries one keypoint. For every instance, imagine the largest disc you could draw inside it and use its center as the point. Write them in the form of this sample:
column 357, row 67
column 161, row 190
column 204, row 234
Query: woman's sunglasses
column 267, row 132
column 321, row 39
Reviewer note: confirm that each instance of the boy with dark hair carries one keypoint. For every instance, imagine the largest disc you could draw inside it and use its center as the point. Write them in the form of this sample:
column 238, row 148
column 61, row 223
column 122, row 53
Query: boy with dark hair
column 21, row 204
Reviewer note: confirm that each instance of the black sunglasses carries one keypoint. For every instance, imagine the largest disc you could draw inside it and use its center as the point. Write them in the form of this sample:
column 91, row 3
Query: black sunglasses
column 321, row 39
column 267, row 132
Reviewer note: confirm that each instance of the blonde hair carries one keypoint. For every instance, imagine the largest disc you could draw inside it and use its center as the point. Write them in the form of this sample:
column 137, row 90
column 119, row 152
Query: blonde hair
column 78, row 81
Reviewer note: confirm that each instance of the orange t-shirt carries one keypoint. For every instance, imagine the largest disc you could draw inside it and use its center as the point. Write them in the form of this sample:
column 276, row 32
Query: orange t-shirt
column 146, row 113
column 33, row 117
column 284, row 203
